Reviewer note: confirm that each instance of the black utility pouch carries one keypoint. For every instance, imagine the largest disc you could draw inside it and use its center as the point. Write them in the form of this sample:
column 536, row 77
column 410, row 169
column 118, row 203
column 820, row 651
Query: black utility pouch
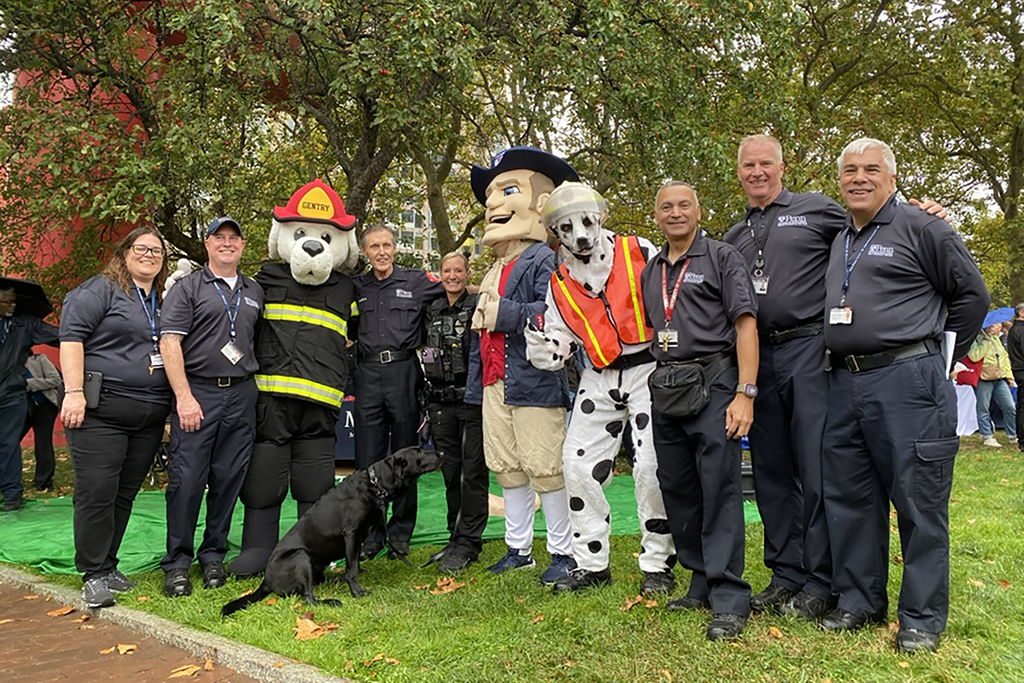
column 679, row 390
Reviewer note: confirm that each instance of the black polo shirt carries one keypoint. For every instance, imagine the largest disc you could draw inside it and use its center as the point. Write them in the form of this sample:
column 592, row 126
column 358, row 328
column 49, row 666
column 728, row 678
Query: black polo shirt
column 913, row 280
column 716, row 290
column 800, row 229
column 114, row 330
column 23, row 332
column 391, row 310
column 194, row 308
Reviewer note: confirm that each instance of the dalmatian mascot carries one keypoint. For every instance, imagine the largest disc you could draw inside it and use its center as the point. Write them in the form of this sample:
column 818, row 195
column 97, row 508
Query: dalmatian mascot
column 594, row 303
column 300, row 347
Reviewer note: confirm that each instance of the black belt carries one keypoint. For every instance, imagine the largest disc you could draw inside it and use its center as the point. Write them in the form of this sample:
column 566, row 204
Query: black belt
column 221, row 382
column 632, row 360
column 385, row 356
column 874, row 361
column 446, row 394
column 781, row 336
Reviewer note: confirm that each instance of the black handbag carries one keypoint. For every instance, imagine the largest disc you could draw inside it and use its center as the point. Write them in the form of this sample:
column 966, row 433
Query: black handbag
column 679, row 390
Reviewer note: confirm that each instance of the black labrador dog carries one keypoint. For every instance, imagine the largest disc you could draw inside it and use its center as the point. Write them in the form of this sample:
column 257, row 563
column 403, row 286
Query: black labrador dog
column 336, row 527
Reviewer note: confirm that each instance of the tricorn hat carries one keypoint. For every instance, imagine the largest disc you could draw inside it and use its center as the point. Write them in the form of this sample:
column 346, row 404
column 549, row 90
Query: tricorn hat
column 315, row 202
column 533, row 159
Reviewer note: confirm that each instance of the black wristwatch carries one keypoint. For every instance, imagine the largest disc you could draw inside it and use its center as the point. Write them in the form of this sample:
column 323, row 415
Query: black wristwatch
column 749, row 390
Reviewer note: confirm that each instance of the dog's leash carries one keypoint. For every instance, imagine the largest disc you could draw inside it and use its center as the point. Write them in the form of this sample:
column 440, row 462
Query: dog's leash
column 382, row 499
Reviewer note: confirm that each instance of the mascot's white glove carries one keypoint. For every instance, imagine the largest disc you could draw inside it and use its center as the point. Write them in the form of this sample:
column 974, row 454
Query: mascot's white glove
column 183, row 269
column 546, row 349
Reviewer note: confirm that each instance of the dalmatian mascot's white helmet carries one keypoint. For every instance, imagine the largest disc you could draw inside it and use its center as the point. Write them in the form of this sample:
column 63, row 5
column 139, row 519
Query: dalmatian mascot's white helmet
column 575, row 214
column 314, row 235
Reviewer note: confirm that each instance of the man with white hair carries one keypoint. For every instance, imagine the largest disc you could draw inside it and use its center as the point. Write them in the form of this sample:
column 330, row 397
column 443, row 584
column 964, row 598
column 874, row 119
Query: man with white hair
column 897, row 280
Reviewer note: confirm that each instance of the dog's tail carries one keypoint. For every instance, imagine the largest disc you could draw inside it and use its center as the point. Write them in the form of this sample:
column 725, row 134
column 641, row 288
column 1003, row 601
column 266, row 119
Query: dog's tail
column 246, row 600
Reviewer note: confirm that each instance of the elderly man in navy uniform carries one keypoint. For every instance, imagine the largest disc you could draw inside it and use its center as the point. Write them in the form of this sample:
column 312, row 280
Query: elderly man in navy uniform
column 897, row 280
column 391, row 301
column 18, row 333
column 699, row 299
column 206, row 340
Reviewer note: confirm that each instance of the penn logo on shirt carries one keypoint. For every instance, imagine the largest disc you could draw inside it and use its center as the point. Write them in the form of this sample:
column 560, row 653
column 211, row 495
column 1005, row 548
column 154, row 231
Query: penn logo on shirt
column 880, row 250
column 693, row 278
column 786, row 221
column 252, row 303
column 403, row 294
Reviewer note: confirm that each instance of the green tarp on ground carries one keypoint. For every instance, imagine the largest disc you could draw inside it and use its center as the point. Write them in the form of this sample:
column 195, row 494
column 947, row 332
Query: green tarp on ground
column 41, row 535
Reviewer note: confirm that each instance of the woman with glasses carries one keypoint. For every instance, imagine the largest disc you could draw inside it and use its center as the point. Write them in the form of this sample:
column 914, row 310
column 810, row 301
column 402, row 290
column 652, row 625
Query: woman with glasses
column 116, row 401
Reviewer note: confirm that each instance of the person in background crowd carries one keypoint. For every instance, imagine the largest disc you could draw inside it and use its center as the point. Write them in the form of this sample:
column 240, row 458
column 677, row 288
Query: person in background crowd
column 994, row 381
column 897, row 279
column 206, row 339
column 1015, row 350
column 456, row 425
column 42, row 381
column 19, row 332
column 109, row 330
column 699, row 300
column 389, row 327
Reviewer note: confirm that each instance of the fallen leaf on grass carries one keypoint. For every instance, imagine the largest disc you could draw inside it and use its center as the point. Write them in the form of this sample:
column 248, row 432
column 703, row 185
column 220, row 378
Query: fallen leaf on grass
column 423, row 587
column 970, row 521
column 774, row 632
column 126, row 648
column 650, row 603
column 903, row 664
column 60, row 611
column 894, row 626
column 1004, row 584
column 379, row 657
column 539, row 617
column 186, row 670
column 30, row 597
column 108, row 650
column 80, row 618
column 447, row 584
column 569, row 663
column 307, row 615
column 6, row 621
column 307, row 629
column 270, row 601
column 976, row 583
column 142, row 598
column 208, row 664
column 630, row 602
column 667, row 675
column 826, row 680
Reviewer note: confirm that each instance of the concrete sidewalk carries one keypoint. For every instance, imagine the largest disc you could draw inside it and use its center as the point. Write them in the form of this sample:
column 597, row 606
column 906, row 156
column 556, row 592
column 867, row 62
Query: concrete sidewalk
column 39, row 642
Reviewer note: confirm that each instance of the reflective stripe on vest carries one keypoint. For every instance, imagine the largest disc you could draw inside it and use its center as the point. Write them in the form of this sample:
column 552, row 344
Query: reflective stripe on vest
column 306, row 314
column 604, row 324
column 301, row 388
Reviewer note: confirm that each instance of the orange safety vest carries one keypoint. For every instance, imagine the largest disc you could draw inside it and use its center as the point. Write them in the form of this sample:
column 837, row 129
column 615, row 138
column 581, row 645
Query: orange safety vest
column 613, row 318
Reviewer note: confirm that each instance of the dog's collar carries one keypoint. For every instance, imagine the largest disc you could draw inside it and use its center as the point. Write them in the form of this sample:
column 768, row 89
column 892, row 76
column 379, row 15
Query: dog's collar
column 378, row 490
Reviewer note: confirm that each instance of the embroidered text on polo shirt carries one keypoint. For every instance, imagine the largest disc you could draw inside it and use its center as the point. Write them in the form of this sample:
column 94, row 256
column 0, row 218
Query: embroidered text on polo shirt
column 693, row 278
column 880, row 250
column 788, row 221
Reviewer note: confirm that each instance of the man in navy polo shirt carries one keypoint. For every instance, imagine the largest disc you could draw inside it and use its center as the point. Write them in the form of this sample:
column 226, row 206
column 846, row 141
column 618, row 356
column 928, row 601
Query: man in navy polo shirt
column 207, row 329
column 897, row 280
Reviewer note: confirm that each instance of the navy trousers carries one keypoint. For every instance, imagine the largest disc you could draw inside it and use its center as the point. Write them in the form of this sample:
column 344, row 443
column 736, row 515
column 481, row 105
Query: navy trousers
column 387, row 420
column 215, row 457
column 12, row 418
column 699, row 475
column 891, row 436
column 785, row 447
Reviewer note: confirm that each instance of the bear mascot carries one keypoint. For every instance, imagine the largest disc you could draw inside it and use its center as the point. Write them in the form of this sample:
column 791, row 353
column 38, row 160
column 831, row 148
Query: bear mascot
column 300, row 346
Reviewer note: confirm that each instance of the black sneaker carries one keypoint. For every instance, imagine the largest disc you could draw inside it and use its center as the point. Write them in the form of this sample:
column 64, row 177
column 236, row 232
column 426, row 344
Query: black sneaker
column 725, row 626
column 807, row 607
column 118, row 582
column 176, row 583
column 12, row 503
column 687, row 602
column 916, row 640
column 771, row 598
column 455, row 560
column 579, row 579
column 658, row 582
column 214, row 575
column 96, row 594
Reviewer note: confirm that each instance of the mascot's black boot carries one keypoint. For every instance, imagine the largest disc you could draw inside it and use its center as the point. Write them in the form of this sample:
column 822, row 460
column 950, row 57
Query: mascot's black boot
column 259, row 536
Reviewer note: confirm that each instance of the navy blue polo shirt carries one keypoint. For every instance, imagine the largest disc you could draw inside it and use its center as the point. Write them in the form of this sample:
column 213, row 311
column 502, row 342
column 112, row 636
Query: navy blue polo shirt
column 800, row 229
column 913, row 280
column 391, row 311
column 716, row 290
column 115, row 333
column 195, row 309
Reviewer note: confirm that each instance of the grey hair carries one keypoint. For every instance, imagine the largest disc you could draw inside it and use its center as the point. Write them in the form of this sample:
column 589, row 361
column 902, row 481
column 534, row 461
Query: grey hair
column 454, row 254
column 750, row 139
column 861, row 145
column 669, row 182
column 376, row 227
column 1018, row 310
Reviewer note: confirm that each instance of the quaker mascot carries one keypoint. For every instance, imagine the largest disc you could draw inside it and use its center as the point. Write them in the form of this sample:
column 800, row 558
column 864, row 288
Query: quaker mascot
column 595, row 304
column 523, row 408
column 300, row 347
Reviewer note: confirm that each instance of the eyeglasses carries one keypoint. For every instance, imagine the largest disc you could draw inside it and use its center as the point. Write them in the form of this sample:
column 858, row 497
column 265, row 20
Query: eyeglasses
column 142, row 250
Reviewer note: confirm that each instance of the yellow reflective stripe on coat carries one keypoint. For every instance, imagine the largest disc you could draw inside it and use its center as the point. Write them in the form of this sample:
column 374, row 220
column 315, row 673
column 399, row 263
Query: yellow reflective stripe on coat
column 586, row 323
column 306, row 314
column 632, row 290
column 302, row 388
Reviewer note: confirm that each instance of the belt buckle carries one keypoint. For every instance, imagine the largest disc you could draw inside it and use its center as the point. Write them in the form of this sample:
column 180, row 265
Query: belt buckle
column 223, row 382
column 385, row 356
column 851, row 364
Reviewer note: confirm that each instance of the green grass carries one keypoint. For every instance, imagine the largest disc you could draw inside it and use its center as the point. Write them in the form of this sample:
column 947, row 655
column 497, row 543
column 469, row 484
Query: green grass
column 490, row 630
